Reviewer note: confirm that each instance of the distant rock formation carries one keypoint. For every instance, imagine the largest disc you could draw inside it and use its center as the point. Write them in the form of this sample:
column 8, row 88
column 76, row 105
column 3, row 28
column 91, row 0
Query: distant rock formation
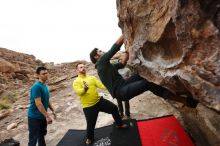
column 15, row 70
column 175, row 43
column 17, row 73
column 17, row 64
column 6, row 67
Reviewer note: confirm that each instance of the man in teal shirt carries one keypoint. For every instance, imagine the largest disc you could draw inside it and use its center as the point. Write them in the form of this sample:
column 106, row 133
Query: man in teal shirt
column 117, row 86
column 38, row 117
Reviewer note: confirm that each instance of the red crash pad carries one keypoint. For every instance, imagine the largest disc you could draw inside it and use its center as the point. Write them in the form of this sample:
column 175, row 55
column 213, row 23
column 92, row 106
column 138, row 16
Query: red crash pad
column 165, row 131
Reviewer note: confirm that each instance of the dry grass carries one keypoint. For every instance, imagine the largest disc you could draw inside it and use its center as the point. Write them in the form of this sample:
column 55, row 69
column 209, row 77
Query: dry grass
column 6, row 102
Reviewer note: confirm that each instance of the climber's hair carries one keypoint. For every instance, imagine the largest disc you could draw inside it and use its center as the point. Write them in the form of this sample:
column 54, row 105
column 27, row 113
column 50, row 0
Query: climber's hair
column 39, row 69
column 93, row 54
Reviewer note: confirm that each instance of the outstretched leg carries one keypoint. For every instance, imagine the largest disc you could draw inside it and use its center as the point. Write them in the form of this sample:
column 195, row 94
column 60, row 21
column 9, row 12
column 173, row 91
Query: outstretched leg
column 159, row 90
column 137, row 85
column 132, row 89
column 110, row 108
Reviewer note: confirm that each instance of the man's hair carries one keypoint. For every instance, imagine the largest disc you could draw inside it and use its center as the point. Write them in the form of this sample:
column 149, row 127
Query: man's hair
column 92, row 55
column 39, row 69
column 78, row 64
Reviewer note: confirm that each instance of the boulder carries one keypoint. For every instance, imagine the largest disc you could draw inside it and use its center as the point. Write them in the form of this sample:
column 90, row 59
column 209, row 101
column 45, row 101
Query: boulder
column 175, row 44
column 6, row 67
column 20, row 76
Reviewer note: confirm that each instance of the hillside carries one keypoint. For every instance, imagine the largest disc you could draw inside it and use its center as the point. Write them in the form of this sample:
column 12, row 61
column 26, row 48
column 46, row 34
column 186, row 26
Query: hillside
column 17, row 80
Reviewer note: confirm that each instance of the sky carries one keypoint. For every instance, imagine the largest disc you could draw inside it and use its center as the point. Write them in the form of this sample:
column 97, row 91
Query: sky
column 58, row 30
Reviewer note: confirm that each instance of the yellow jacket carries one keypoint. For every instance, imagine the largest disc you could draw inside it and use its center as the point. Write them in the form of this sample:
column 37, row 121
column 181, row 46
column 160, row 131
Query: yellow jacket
column 91, row 96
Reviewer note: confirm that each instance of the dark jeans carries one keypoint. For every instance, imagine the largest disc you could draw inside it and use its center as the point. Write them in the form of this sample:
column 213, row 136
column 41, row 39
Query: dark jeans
column 37, row 130
column 136, row 85
column 91, row 114
column 121, row 109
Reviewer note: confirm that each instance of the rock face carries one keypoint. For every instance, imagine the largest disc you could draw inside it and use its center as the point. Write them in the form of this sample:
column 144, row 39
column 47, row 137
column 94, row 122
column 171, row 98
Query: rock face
column 17, row 65
column 6, row 66
column 16, row 73
column 175, row 43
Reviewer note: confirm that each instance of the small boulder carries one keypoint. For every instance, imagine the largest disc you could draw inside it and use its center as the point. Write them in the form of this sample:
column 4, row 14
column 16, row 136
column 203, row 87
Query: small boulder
column 12, row 126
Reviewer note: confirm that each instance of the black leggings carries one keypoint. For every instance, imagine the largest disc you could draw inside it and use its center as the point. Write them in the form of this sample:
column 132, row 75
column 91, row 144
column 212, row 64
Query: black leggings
column 121, row 109
column 136, row 85
column 91, row 114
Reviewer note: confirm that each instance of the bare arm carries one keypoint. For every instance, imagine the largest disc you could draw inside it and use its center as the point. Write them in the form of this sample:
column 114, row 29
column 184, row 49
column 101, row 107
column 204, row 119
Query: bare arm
column 117, row 55
column 52, row 109
column 120, row 40
column 42, row 110
column 124, row 58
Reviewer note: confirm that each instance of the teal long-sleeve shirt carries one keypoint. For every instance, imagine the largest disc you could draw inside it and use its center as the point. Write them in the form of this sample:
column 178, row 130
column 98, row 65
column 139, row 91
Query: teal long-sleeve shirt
column 108, row 73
